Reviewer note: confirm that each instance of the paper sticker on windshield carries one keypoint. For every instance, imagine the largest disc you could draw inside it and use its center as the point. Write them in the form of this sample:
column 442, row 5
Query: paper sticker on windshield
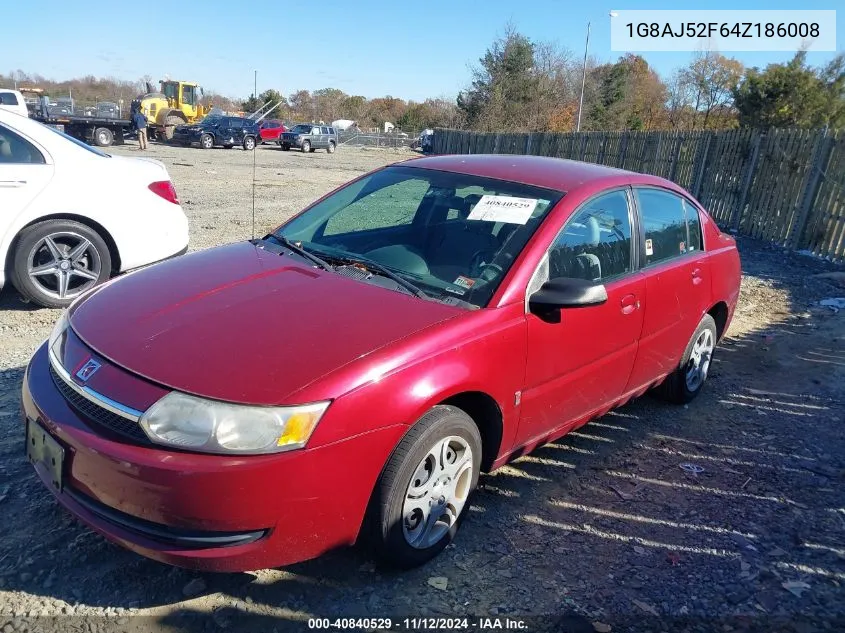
column 464, row 282
column 503, row 209
column 649, row 249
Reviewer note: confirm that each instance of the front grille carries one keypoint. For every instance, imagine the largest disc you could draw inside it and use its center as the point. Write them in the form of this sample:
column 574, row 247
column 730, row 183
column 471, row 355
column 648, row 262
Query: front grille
column 98, row 416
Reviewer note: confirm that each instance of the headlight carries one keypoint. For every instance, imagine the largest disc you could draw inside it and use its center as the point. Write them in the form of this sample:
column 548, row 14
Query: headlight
column 211, row 426
column 58, row 329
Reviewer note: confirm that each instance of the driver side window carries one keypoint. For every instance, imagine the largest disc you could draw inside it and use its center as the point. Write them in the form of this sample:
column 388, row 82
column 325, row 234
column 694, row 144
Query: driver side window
column 595, row 243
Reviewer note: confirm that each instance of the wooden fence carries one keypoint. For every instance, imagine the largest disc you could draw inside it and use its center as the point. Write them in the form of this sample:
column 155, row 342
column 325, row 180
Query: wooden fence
column 785, row 186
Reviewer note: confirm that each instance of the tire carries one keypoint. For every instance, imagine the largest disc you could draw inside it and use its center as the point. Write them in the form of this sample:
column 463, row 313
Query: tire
column 49, row 247
column 330, row 149
column 170, row 123
column 306, row 146
column 697, row 358
column 206, row 141
column 249, row 143
column 285, row 147
column 103, row 137
column 397, row 532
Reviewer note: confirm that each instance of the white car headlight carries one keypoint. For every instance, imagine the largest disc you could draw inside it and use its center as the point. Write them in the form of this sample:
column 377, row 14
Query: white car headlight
column 211, row 426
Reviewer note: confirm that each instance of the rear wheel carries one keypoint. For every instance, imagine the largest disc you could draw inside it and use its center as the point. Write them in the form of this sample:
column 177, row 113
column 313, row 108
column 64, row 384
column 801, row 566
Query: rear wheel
column 57, row 260
column 330, row 149
column 249, row 143
column 686, row 382
column 206, row 141
column 422, row 496
column 103, row 136
column 306, row 146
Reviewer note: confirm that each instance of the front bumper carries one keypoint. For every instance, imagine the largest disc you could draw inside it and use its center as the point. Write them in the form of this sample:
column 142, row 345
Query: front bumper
column 293, row 142
column 207, row 512
column 190, row 136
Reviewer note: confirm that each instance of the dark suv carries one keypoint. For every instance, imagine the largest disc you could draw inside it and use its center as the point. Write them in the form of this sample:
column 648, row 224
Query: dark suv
column 308, row 138
column 227, row 131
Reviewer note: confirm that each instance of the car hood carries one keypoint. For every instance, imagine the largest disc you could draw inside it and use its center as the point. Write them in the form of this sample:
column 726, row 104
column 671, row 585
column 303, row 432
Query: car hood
column 242, row 324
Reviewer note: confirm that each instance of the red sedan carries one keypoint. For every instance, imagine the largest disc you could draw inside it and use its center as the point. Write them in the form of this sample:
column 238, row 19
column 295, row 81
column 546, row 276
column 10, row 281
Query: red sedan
column 347, row 377
column 271, row 130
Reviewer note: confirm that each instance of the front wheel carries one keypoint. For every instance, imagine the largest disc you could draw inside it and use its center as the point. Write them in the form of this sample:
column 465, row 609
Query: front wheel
column 285, row 147
column 687, row 381
column 423, row 493
column 206, row 141
column 306, row 146
column 55, row 261
column 249, row 143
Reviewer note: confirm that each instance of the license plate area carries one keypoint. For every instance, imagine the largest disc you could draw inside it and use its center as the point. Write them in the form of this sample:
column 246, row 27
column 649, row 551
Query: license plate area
column 45, row 452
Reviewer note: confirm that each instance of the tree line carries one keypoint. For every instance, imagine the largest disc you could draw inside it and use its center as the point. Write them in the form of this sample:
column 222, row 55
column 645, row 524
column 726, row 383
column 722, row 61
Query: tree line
column 522, row 85
column 528, row 86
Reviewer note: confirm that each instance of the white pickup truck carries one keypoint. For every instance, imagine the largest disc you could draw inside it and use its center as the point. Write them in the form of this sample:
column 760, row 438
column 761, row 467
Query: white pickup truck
column 13, row 101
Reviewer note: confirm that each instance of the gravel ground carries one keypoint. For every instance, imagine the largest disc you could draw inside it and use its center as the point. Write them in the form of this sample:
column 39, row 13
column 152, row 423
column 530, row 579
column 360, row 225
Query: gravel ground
column 600, row 531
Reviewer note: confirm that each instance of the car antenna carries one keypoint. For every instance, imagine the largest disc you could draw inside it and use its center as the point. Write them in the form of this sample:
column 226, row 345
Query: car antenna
column 254, row 152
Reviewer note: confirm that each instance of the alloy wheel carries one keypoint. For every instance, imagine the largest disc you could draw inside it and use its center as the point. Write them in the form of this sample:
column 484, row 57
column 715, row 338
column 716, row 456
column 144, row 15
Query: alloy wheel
column 64, row 265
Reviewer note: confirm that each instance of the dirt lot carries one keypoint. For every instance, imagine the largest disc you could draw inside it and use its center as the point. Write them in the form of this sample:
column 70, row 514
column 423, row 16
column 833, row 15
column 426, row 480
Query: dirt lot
column 600, row 531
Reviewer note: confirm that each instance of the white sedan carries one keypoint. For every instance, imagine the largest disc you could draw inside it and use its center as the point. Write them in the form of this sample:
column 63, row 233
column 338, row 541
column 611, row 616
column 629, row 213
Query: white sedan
column 72, row 216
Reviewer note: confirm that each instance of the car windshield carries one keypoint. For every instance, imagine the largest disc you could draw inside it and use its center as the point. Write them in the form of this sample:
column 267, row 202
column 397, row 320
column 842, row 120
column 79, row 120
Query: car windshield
column 77, row 142
column 451, row 235
column 302, row 129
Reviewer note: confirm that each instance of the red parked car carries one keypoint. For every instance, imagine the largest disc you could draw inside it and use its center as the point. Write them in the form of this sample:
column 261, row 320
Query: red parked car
column 347, row 377
column 271, row 130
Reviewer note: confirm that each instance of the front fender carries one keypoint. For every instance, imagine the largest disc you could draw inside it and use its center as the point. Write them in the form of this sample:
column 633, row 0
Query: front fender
column 482, row 351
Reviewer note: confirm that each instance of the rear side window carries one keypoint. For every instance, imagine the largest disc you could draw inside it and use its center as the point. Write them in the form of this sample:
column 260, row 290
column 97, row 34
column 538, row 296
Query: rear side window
column 236, row 122
column 664, row 218
column 16, row 150
column 8, row 98
column 324, row 130
column 595, row 243
column 694, row 226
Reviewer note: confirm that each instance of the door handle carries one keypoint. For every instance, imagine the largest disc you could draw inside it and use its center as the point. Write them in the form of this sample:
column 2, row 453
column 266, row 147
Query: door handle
column 12, row 183
column 629, row 303
column 696, row 276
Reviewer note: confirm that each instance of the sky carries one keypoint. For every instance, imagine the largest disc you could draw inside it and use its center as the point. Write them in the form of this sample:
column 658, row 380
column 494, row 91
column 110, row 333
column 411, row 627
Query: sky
column 408, row 49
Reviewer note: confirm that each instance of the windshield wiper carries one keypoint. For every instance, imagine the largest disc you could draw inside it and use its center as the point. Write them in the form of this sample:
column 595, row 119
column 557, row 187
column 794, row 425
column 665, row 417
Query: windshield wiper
column 301, row 251
column 384, row 270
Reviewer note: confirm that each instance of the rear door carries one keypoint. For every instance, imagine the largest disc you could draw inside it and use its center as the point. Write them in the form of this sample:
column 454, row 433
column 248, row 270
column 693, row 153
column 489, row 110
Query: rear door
column 24, row 172
column 236, row 127
column 677, row 280
column 316, row 137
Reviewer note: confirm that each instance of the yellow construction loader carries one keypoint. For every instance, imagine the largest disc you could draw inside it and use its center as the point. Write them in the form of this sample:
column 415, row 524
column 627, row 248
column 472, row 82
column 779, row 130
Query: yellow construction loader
column 176, row 103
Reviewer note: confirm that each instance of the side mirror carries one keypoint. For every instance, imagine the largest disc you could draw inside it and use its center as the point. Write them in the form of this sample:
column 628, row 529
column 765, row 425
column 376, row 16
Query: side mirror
column 566, row 292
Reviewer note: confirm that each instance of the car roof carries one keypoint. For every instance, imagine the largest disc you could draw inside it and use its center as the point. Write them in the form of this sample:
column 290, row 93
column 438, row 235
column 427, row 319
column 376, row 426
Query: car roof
column 559, row 174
